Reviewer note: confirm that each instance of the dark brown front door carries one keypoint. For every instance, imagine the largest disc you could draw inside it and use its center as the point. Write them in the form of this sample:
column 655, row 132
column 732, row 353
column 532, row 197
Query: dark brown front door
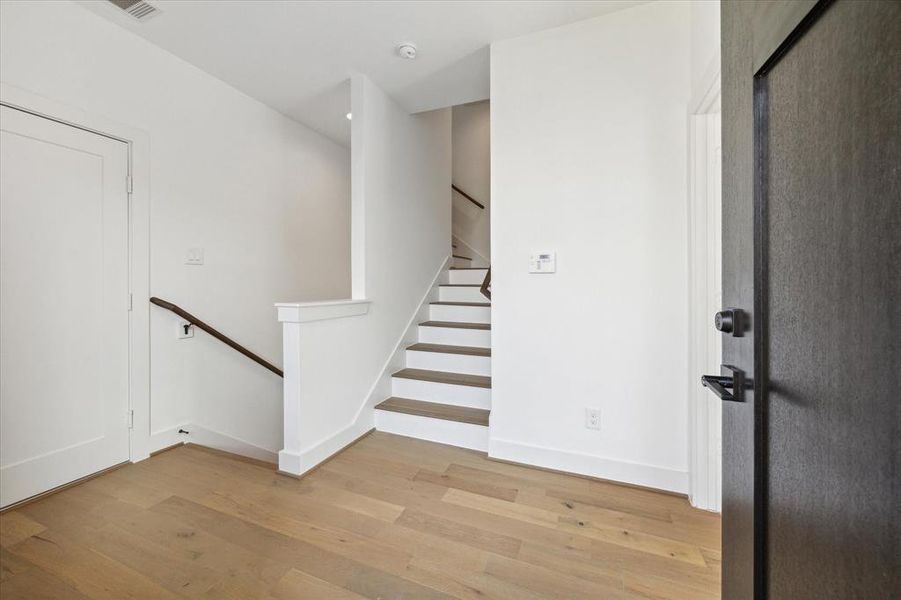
column 812, row 253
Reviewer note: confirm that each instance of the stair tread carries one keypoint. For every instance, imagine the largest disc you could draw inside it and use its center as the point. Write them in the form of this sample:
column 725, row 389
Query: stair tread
column 434, row 410
column 447, row 349
column 469, row 268
column 475, row 285
column 461, row 257
column 480, row 381
column 461, row 303
column 456, row 325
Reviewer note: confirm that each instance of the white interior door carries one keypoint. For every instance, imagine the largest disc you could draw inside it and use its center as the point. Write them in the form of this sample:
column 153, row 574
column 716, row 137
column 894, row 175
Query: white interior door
column 63, row 304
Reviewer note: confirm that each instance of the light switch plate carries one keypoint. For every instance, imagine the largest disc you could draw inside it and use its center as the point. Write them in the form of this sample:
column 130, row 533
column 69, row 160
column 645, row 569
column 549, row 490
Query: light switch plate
column 543, row 262
column 194, row 256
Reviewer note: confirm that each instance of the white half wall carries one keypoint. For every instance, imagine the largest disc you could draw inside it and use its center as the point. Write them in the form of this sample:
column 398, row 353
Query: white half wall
column 589, row 159
column 401, row 241
column 267, row 198
column 472, row 174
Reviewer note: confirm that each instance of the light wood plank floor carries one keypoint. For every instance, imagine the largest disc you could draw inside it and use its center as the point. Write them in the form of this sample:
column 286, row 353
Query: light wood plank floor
column 390, row 517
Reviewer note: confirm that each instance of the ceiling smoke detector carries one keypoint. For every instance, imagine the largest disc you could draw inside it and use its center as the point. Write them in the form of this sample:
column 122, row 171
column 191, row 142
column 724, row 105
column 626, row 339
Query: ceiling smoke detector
column 407, row 50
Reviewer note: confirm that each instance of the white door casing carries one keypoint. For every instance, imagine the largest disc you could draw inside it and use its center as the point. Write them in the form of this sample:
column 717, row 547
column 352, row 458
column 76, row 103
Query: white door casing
column 705, row 289
column 64, row 300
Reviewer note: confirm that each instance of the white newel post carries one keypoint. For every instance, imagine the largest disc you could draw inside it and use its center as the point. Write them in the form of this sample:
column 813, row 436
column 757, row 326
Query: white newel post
column 292, row 316
column 289, row 456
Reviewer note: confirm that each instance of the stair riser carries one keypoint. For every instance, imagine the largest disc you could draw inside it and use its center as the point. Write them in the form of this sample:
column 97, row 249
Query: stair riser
column 462, row 263
column 460, row 294
column 464, row 435
column 468, row 276
column 460, row 314
column 480, row 338
column 451, row 363
column 441, row 393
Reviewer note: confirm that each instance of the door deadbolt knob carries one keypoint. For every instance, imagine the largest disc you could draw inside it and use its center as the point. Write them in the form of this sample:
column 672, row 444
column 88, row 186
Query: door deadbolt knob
column 724, row 321
column 730, row 320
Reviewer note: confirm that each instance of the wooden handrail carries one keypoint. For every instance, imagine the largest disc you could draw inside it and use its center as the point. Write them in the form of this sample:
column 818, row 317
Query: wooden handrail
column 486, row 285
column 467, row 196
column 213, row 332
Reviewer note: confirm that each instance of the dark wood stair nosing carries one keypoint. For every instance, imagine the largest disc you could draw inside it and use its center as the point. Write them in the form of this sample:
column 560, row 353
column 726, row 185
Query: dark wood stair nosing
column 450, row 349
column 461, row 257
column 476, row 304
column 475, row 285
column 469, row 268
column 436, row 410
column 445, row 377
column 457, row 325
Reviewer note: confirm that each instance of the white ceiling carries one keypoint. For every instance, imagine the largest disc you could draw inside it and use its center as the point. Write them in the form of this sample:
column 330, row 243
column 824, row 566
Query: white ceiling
column 296, row 56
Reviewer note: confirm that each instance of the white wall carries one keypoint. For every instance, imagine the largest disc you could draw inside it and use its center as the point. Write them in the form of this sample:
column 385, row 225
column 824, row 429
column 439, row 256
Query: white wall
column 401, row 196
column 705, row 46
column 589, row 160
column 267, row 198
column 472, row 174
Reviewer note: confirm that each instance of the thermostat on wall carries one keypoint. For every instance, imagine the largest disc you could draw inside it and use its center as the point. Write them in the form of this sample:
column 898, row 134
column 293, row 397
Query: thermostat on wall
column 543, row 262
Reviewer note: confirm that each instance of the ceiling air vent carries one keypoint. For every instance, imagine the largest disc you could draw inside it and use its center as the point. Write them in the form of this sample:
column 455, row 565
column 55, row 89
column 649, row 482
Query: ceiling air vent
column 138, row 9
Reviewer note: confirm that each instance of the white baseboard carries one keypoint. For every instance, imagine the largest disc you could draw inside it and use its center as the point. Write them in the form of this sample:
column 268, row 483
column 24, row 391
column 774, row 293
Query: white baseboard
column 220, row 441
column 165, row 438
column 203, row 436
column 589, row 465
column 306, row 460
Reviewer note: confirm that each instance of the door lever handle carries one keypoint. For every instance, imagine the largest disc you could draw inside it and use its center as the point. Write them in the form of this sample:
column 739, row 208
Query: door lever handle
column 722, row 384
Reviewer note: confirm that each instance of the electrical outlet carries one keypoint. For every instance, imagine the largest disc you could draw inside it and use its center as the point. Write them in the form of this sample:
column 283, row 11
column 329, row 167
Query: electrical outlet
column 592, row 418
column 185, row 330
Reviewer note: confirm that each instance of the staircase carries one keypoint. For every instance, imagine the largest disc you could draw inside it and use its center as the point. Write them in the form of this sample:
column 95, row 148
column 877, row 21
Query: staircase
column 444, row 393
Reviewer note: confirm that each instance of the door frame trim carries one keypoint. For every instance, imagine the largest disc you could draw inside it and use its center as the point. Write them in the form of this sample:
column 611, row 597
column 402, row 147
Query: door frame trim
column 701, row 434
column 138, row 147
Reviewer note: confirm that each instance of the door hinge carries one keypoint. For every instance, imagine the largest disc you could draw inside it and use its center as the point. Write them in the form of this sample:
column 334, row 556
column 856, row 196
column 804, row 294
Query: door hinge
column 129, row 184
column 131, row 419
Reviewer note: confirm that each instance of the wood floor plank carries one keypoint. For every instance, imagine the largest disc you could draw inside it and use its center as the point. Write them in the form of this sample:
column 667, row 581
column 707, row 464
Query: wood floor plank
column 11, row 565
column 588, row 569
column 329, row 566
column 552, row 584
column 635, row 540
column 459, row 532
column 327, row 534
column 16, row 527
column 469, row 485
column 391, row 517
column 502, row 508
column 91, row 573
column 178, row 574
column 185, row 542
column 297, row 584
column 699, row 535
column 38, row 584
column 658, row 588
